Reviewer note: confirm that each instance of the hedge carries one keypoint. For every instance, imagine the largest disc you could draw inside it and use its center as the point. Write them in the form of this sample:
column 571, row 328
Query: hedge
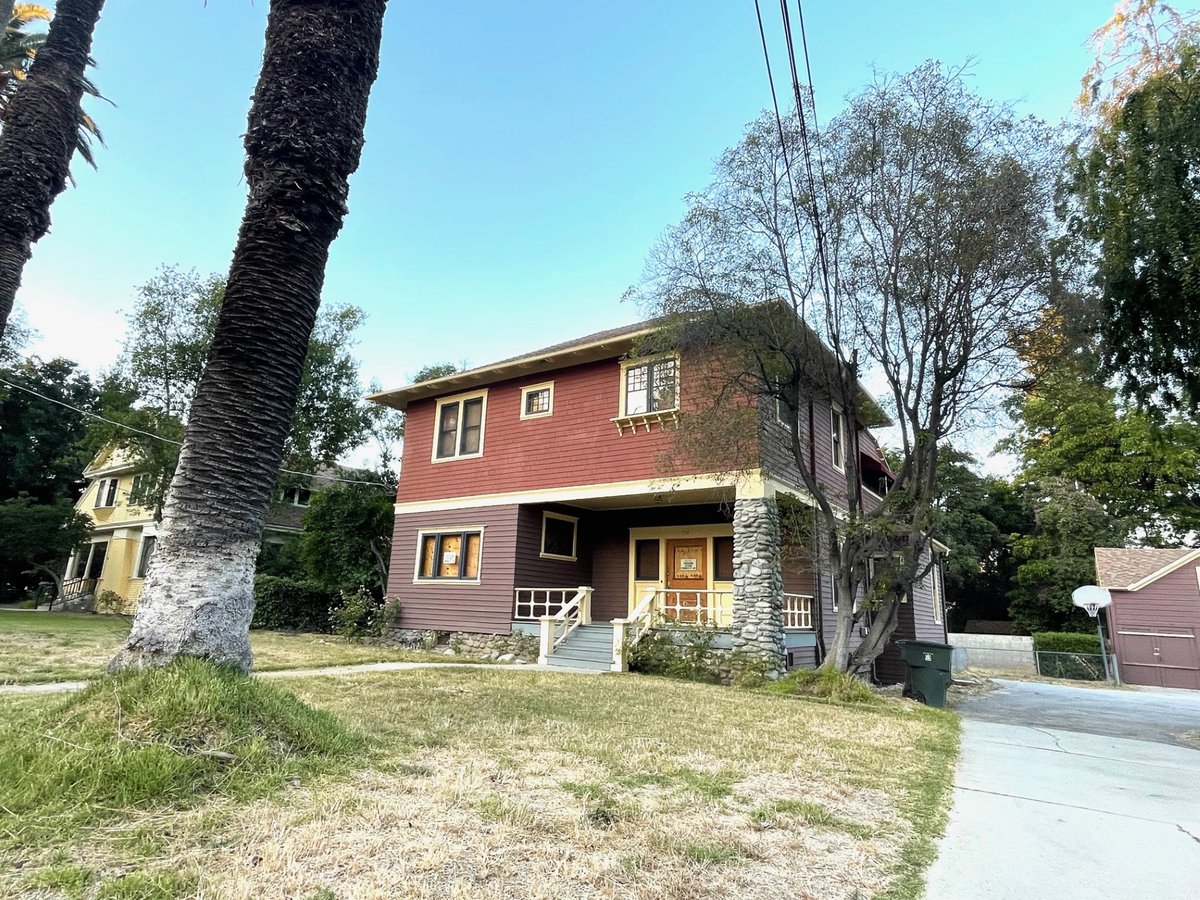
column 1065, row 642
column 286, row 603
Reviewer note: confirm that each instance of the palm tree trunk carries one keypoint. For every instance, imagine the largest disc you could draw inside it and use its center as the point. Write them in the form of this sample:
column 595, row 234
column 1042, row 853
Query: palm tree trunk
column 38, row 140
column 304, row 139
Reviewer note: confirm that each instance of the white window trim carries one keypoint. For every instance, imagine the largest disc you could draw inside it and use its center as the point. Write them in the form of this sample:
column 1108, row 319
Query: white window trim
column 574, row 520
column 626, row 365
column 836, row 413
column 534, row 388
column 939, row 613
column 422, row 533
column 437, row 419
column 102, row 486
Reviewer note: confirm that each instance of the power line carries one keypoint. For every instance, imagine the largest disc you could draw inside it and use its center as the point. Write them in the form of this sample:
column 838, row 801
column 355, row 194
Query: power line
column 787, row 163
column 167, row 440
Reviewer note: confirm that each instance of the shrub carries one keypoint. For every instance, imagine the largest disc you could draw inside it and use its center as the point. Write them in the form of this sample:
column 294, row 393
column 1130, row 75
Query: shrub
column 109, row 602
column 361, row 615
column 1065, row 642
column 825, row 684
column 284, row 603
column 663, row 653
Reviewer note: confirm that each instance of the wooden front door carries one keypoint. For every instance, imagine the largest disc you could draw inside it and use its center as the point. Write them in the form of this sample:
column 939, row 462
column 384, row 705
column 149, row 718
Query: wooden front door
column 687, row 577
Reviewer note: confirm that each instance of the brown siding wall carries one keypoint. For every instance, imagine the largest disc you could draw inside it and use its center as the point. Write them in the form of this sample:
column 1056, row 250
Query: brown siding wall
column 532, row 570
column 485, row 607
column 1171, row 604
column 577, row 445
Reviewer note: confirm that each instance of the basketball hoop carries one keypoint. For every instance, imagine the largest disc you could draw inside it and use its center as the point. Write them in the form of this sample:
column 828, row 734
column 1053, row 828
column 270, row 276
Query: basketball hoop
column 1091, row 599
column 1092, row 609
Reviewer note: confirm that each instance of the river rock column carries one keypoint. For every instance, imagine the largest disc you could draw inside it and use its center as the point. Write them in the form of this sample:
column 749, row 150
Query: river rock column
column 758, row 585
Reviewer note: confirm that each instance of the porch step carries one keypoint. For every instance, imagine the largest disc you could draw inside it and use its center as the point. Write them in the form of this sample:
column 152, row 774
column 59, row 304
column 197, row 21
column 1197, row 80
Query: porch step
column 587, row 647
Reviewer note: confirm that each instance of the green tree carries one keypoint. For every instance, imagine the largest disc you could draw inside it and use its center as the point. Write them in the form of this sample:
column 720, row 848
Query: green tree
column 1057, row 557
column 1137, row 200
column 35, row 541
column 1143, row 470
column 39, row 437
column 978, row 518
column 347, row 536
column 303, row 140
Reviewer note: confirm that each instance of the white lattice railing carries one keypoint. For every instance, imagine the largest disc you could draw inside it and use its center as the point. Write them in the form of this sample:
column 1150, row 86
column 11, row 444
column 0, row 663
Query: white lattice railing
column 797, row 612
column 707, row 609
column 534, row 603
column 558, row 626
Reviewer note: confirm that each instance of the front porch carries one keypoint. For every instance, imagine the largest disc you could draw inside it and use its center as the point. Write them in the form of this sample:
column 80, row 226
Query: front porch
column 569, row 635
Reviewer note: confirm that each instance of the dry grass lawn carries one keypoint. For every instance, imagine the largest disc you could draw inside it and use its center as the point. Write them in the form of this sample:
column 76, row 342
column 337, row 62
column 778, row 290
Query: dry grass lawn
column 490, row 784
column 39, row 647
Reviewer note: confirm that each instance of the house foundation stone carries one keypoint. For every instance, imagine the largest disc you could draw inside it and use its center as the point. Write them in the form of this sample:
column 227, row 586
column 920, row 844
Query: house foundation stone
column 758, row 587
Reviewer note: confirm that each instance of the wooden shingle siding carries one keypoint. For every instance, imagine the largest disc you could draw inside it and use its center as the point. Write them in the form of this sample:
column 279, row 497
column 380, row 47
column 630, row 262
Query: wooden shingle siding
column 577, row 445
column 447, row 606
column 532, row 569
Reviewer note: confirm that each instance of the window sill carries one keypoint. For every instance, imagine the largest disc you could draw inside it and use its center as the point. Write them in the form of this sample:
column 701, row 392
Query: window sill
column 446, row 459
column 556, row 556
column 647, row 420
column 446, row 581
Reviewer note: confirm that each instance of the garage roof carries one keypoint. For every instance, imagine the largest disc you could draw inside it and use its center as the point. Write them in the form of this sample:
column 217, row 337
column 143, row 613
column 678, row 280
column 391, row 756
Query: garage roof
column 1127, row 569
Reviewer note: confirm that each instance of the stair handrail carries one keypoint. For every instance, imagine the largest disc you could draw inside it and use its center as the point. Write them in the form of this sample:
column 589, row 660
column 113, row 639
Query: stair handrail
column 575, row 612
column 628, row 631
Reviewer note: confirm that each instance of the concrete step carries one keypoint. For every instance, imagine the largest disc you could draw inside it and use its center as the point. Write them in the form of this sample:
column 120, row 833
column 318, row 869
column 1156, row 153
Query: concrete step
column 588, row 664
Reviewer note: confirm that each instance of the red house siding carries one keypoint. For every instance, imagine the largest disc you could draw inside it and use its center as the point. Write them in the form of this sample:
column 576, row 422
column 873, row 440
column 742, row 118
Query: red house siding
column 577, row 445
column 1164, row 616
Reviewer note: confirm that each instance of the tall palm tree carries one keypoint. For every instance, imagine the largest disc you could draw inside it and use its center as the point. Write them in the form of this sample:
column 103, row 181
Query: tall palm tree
column 18, row 50
column 41, row 130
column 303, row 141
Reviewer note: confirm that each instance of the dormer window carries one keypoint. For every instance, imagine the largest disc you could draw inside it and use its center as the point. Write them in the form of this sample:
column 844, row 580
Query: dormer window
column 458, row 428
column 650, row 387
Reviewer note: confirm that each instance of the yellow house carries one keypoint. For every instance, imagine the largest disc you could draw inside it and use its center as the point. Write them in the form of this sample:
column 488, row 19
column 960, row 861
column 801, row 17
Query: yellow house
column 114, row 562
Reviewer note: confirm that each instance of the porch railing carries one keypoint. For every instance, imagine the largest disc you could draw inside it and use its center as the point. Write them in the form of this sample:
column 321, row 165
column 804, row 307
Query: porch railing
column 797, row 612
column 535, row 603
column 631, row 629
column 706, row 609
column 556, row 628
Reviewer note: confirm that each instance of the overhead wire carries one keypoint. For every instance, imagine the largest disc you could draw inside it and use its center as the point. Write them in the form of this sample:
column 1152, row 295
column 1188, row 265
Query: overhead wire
column 167, row 440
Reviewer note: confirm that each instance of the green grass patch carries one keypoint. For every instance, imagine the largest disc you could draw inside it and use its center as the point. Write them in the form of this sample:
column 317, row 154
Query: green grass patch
column 825, row 684
column 168, row 737
column 810, row 813
column 68, row 879
column 149, row 886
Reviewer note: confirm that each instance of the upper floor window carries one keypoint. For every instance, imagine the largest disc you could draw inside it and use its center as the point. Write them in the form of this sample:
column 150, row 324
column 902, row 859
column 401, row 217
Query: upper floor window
column 537, row 400
column 837, row 428
column 651, row 386
column 449, row 556
column 298, row 496
column 106, row 493
column 559, row 536
column 458, row 428
column 148, row 542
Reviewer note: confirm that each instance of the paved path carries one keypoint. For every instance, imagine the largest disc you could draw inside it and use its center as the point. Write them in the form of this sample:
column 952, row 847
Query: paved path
column 61, row 687
column 1049, row 802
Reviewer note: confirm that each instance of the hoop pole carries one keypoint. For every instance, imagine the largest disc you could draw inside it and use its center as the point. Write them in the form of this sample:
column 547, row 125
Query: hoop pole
column 1115, row 670
column 1103, row 651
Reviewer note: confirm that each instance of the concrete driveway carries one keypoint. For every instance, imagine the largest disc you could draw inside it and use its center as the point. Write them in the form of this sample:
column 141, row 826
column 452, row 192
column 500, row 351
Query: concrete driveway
column 1069, row 792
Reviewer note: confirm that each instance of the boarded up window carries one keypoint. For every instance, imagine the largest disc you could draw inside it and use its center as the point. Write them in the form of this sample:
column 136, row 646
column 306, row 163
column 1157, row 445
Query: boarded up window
column 646, row 555
column 723, row 559
column 454, row 555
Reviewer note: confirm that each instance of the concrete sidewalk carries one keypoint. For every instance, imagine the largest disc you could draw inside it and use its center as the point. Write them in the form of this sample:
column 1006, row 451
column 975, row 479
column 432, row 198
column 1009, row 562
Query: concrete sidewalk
column 63, row 687
column 1040, row 812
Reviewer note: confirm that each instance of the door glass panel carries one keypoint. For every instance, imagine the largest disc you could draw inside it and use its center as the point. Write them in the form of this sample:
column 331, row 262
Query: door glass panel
column 646, row 566
column 723, row 558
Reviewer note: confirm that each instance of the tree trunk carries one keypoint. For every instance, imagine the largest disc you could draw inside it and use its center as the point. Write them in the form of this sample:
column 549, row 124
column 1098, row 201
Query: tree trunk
column 304, row 139
column 38, row 140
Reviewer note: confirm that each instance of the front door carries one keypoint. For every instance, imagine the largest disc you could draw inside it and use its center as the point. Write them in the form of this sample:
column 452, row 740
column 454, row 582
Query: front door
column 687, row 581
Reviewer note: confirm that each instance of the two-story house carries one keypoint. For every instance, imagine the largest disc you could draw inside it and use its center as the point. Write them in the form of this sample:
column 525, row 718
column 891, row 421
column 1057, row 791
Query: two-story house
column 123, row 535
column 546, row 494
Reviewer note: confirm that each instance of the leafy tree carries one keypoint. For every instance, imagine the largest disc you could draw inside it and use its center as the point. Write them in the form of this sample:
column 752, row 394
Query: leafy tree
column 932, row 213
column 1136, row 198
column 978, row 519
column 347, row 537
column 303, row 140
column 1057, row 557
column 434, row 371
column 40, row 134
column 35, row 539
column 38, row 439
column 1144, row 471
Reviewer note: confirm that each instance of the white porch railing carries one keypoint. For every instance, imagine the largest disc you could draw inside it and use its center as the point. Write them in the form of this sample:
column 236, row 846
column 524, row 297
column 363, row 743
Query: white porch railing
column 797, row 612
column 707, row 609
column 557, row 627
column 631, row 629
column 534, row 603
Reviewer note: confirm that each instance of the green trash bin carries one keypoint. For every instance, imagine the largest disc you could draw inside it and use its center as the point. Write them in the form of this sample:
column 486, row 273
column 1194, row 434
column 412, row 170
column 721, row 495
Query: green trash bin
column 926, row 671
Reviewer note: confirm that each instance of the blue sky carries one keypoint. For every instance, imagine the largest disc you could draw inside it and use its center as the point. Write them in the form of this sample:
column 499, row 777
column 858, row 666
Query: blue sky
column 521, row 157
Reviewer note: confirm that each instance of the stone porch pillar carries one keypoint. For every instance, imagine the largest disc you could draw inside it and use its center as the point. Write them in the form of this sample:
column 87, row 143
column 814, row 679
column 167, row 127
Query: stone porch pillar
column 758, row 582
